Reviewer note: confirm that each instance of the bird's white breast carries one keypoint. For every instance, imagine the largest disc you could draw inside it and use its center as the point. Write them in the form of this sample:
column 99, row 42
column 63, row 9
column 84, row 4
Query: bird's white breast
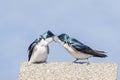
column 39, row 54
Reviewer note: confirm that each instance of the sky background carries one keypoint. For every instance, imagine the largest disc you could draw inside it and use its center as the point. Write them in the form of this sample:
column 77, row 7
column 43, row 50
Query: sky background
column 95, row 23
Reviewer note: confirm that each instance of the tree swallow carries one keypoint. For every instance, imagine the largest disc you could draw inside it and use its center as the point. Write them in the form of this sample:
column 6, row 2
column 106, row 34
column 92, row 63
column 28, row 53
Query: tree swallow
column 77, row 49
column 39, row 49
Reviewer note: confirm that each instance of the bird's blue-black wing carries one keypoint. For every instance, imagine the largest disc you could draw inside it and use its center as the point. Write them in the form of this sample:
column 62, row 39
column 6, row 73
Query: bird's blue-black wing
column 76, row 45
column 82, row 48
column 31, row 47
column 75, row 41
column 48, row 49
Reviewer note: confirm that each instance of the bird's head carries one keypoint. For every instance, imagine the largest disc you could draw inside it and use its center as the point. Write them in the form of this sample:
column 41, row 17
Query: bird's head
column 48, row 36
column 63, row 38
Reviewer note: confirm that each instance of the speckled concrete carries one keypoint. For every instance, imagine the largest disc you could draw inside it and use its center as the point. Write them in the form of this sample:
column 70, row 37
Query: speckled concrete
column 68, row 71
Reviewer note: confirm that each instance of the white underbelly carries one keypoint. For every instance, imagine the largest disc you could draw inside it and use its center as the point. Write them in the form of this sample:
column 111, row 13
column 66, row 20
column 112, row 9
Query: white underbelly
column 39, row 55
column 80, row 55
column 77, row 54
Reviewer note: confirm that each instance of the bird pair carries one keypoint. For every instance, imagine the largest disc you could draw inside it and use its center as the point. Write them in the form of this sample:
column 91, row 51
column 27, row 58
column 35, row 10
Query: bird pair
column 39, row 49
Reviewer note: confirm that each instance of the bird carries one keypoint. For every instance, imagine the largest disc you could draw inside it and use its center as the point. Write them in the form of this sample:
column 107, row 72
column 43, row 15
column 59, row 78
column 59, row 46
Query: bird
column 77, row 49
column 39, row 49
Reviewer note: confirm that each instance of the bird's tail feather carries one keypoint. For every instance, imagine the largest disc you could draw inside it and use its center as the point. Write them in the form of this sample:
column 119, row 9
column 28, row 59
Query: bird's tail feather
column 99, row 54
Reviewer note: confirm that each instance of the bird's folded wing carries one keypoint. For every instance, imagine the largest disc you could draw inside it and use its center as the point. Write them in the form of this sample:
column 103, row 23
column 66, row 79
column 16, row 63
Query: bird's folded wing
column 31, row 47
column 48, row 49
column 87, row 50
column 82, row 48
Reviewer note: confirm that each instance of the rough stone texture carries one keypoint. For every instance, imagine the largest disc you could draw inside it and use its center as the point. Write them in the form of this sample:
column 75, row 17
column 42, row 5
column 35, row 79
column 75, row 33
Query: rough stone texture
column 68, row 71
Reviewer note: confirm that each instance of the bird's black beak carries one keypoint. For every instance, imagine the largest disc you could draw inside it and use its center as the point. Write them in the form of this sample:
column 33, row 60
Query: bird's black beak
column 54, row 40
column 55, row 37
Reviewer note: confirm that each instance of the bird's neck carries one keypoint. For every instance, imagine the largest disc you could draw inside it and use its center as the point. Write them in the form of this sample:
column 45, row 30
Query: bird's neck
column 43, row 42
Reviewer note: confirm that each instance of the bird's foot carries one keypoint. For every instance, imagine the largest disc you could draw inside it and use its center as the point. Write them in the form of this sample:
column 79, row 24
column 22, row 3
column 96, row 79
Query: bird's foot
column 88, row 63
column 45, row 62
column 40, row 62
column 78, row 62
column 75, row 61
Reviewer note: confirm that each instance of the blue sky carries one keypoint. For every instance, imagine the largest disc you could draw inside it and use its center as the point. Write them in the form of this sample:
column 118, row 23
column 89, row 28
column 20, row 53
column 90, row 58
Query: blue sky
column 95, row 23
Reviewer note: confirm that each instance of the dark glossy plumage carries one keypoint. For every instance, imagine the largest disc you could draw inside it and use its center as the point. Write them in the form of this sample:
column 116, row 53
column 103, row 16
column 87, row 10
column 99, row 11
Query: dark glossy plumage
column 47, row 35
column 31, row 47
column 75, row 44
column 63, row 37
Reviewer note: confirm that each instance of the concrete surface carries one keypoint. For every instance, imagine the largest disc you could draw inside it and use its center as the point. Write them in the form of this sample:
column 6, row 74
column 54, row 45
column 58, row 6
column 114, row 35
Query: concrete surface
column 68, row 71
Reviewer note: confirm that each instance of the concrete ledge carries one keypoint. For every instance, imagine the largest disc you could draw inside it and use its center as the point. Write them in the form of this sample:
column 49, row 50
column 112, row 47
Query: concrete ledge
column 68, row 71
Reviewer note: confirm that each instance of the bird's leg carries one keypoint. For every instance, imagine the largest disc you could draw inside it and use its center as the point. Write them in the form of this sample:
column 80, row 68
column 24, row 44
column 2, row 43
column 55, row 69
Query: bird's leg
column 88, row 62
column 54, row 39
column 75, row 60
column 45, row 62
